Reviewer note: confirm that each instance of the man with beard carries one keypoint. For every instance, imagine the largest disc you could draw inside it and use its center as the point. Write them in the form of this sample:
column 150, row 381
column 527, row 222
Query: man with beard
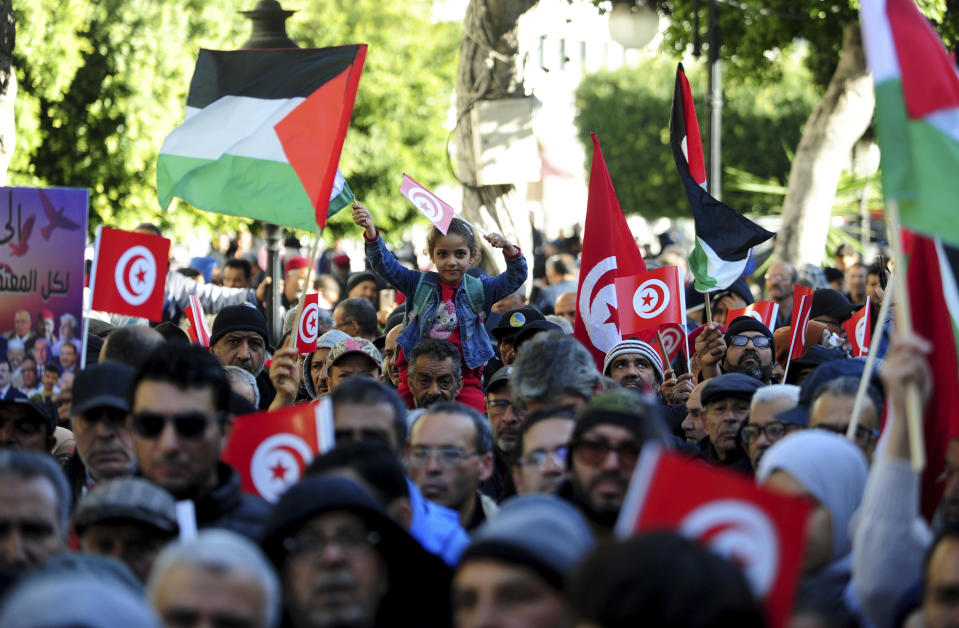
column 609, row 435
column 781, row 279
column 434, row 372
column 750, row 349
column 505, row 423
column 240, row 337
column 99, row 419
column 726, row 401
column 449, row 454
column 634, row 364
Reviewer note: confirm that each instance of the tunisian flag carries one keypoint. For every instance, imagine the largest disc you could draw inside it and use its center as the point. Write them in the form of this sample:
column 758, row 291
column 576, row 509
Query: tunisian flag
column 763, row 311
column 271, row 450
column 802, row 306
column 858, row 331
column 761, row 531
column 651, row 299
column 609, row 251
column 198, row 330
column 307, row 329
column 129, row 273
column 436, row 210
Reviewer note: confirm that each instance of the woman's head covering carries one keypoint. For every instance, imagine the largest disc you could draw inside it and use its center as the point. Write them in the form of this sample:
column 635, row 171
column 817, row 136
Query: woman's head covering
column 831, row 468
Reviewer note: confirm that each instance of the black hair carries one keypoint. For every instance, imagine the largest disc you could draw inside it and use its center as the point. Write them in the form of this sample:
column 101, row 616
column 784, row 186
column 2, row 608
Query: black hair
column 369, row 392
column 52, row 366
column 437, row 349
column 32, row 464
column 148, row 226
column 484, row 433
column 192, row 273
column 373, row 461
column 554, row 412
column 949, row 533
column 458, row 228
column 245, row 267
column 362, row 312
column 184, row 366
column 661, row 579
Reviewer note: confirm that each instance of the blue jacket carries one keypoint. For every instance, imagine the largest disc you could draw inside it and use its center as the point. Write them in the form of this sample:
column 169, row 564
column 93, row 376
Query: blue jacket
column 477, row 347
column 436, row 527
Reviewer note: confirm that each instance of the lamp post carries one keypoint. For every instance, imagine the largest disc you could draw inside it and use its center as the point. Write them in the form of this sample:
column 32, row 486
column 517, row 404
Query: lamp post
column 268, row 19
column 714, row 104
column 633, row 23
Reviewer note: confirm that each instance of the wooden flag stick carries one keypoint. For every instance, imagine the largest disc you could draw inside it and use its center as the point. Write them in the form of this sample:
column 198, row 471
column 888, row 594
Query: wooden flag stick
column 708, row 318
column 874, row 343
column 662, row 349
column 314, row 249
column 917, row 449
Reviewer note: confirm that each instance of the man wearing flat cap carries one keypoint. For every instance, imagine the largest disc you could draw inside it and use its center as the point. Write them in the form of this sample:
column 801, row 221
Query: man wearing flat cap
column 726, row 402
column 344, row 562
column 240, row 337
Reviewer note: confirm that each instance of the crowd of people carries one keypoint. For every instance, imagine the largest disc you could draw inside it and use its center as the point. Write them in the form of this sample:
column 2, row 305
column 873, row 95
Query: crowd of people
column 482, row 455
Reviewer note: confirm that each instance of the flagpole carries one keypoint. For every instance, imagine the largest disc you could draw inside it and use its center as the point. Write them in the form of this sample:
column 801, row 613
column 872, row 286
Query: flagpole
column 874, row 343
column 662, row 349
column 904, row 327
column 792, row 342
column 709, row 310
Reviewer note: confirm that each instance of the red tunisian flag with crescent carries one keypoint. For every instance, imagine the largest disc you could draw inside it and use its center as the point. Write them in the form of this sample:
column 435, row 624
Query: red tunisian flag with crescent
column 129, row 273
column 651, row 299
column 763, row 311
column 858, row 331
column 436, row 210
column 609, row 251
column 198, row 330
column 271, row 450
column 761, row 531
column 307, row 329
column 802, row 306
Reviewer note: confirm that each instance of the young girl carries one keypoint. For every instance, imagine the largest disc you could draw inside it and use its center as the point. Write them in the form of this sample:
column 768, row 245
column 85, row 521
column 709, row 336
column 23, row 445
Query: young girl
column 447, row 304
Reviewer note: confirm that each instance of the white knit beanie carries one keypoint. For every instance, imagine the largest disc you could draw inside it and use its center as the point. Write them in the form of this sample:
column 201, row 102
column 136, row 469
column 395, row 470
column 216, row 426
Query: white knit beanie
column 633, row 345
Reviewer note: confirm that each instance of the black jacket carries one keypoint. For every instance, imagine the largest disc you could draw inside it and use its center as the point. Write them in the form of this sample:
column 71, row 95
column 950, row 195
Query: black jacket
column 735, row 461
column 227, row 507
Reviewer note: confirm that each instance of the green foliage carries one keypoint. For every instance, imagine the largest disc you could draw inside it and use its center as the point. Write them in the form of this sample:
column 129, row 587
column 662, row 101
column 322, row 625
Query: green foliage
column 629, row 110
column 102, row 82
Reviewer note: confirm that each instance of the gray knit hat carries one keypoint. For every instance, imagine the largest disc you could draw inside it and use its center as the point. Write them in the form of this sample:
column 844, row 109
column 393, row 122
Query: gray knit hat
column 127, row 498
column 542, row 532
column 634, row 345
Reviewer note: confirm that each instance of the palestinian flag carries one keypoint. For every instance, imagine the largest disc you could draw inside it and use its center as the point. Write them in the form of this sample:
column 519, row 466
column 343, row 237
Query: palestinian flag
column 931, row 273
column 263, row 134
column 724, row 237
column 917, row 115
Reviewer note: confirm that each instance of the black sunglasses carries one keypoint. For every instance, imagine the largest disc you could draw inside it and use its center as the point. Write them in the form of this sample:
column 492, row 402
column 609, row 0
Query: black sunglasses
column 189, row 425
column 740, row 341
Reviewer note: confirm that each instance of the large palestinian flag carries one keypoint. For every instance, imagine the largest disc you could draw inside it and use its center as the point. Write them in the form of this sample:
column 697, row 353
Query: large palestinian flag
column 263, row 134
column 724, row 237
column 917, row 115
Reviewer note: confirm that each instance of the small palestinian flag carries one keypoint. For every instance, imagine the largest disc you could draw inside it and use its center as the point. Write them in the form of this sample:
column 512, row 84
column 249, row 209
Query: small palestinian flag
column 263, row 134
column 724, row 237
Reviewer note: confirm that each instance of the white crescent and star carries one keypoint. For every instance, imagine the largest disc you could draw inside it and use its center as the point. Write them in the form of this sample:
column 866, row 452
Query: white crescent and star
column 426, row 203
column 651, row 298
column 598, row 311
column 308, row 328
column 136, row 275
column 277, row 463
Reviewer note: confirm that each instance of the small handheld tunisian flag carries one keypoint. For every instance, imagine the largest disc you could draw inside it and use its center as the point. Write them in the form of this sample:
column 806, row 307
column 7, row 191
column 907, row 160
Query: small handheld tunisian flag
column 129, row 273
column 271, row 450
column 609, row 251
column 761, row 531
column 307, row 329
column 802, row 306
column 674, row 338
column 651, row 299
column 433, row 207
column 763, row 311
column 858, row 331
column 198, row 330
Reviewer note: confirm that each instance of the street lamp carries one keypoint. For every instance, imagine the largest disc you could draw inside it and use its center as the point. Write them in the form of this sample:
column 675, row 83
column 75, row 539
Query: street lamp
column 269, row 32
column 633, row 23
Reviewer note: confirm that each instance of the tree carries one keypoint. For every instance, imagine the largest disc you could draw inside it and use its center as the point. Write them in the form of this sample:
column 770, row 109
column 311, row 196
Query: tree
column 104, row 81
column 629, row 108
column 752, row 34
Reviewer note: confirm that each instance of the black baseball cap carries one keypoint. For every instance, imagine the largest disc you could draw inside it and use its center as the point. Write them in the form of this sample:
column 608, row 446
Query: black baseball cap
column 514, row 320
column 103, row 385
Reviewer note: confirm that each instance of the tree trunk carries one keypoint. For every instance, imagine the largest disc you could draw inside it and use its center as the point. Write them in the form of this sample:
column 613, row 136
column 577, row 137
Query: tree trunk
column 489, row 69
column 824, row 150
column 8, row 86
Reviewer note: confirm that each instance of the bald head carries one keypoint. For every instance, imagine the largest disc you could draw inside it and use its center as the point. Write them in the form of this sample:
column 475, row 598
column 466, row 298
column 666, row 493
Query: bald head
column 128, row 345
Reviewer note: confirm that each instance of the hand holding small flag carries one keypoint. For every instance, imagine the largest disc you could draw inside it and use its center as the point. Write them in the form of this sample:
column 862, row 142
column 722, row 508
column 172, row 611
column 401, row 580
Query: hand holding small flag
column 363, row 218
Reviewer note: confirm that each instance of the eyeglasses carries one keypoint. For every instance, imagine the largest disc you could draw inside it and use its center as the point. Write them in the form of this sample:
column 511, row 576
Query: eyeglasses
column 863, row 433
column 364, row 434
column 541, row 458
column 778, row 277
column 448, row 457
column 773, row 431
column 313, row 545
column 497, row 406
column 189, row 425
column 741, row 341
column 594, row 452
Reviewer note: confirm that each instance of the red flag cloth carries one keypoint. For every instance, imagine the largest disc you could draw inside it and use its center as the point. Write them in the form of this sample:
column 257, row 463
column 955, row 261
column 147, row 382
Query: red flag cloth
column 802, row 306
column 763, row 311
column 763, row 532
column 271, row 450
column 858, row 331
column 307, row 328
column 651, row 299
column 198, row 330
column 430, row 205
column 609, row 251
column 129, row 273
column 674, row 339
column 931, row 274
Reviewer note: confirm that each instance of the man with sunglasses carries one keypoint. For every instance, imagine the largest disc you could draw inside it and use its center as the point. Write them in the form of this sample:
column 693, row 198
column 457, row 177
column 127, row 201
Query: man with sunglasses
column 449, row 454
column 543, row 447
column 726, row 402
column 763, row 427
column 750, row 349
column 610, row 432
column 178, row 400
column 99, row 417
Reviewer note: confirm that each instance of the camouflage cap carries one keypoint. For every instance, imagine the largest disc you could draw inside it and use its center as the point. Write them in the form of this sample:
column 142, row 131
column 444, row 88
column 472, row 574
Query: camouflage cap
column 127, row 498
column 354, row 345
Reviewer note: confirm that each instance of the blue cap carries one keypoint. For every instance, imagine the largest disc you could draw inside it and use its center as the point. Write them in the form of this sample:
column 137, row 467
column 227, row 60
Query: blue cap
column 737, row 385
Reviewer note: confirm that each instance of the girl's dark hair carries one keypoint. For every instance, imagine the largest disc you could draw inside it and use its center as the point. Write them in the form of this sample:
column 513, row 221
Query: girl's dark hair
column 457, row 227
